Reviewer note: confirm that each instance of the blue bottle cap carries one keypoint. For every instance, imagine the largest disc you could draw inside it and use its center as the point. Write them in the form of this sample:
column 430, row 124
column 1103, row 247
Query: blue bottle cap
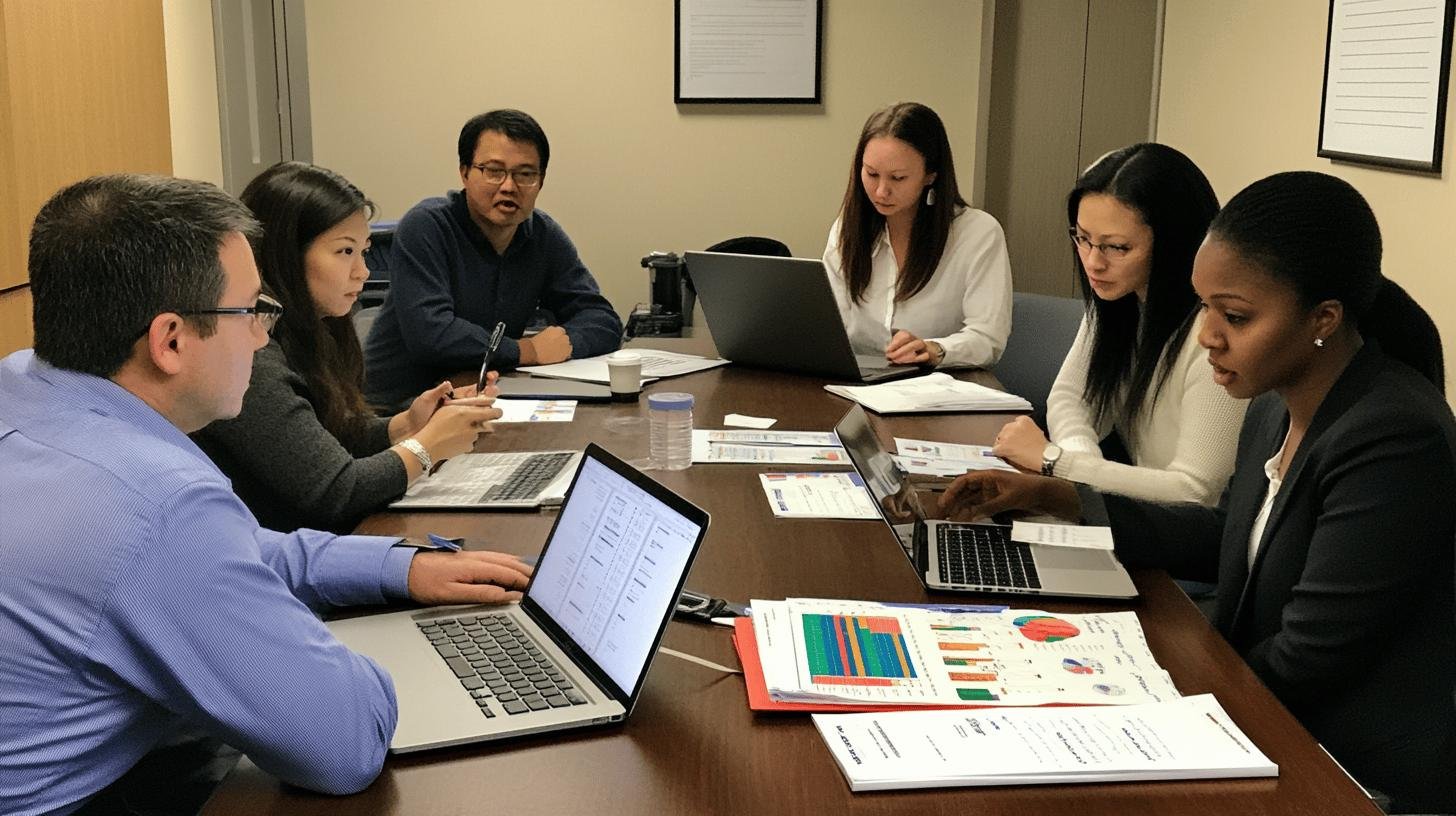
column 670, row 401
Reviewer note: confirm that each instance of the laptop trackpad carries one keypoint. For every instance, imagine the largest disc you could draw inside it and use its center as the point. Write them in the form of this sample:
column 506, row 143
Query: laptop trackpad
column 1071, row 558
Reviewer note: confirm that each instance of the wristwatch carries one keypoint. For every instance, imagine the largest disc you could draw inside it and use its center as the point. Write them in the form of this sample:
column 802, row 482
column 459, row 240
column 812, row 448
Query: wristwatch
column 1049, row 457
column 413, row 446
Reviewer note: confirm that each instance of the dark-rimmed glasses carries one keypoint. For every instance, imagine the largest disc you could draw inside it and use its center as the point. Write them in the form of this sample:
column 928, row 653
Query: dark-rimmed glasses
column 266, row 311
column 525, row 178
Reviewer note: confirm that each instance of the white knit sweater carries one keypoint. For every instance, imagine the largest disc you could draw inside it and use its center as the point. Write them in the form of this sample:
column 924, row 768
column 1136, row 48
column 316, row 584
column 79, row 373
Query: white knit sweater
column 1182, row 445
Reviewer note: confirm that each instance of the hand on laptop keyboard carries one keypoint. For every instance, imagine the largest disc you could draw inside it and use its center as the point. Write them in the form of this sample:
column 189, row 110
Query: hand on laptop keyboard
column 470, row 576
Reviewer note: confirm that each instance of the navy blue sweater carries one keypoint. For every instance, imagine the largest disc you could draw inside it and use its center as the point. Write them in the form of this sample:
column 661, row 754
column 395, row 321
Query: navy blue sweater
column 449, row 287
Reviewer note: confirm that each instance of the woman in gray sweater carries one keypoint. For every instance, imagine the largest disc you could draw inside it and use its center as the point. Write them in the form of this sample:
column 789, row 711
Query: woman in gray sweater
column 306, row 451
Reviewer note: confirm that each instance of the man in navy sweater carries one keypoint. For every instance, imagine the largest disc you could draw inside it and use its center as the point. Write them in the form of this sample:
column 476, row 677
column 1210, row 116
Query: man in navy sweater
column 479, row 255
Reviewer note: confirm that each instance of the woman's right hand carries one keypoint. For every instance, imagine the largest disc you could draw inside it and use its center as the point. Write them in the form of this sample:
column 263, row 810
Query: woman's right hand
column 452, row 429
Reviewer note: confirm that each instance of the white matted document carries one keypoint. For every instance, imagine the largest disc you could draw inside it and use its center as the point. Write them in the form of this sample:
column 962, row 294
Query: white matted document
column 933, row 393
column 1188, row 738
column 656, row 364
column 818, row 495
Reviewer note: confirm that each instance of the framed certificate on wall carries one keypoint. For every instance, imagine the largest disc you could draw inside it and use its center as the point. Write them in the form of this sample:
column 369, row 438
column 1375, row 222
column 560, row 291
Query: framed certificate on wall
column 1387, row 72
column 747, row 51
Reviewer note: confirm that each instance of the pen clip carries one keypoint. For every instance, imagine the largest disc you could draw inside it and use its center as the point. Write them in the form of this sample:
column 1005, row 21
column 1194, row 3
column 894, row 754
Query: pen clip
column 495, row 339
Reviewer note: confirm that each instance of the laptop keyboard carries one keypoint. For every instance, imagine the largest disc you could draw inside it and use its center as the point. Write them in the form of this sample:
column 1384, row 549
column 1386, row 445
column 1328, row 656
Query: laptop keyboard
column 982, row 556
column 529, row 478
column 495, row 660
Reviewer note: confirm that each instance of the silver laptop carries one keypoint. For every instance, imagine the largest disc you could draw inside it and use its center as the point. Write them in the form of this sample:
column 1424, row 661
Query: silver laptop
column 779, row 313
column 575, row 651
column 953, row 556
column 493, row 481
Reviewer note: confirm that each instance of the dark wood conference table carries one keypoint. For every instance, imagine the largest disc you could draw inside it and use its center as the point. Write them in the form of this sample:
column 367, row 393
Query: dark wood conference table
column 693, row 746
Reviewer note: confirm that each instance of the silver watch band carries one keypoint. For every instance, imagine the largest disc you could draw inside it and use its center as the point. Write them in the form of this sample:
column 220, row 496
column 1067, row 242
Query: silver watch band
column 413, row 446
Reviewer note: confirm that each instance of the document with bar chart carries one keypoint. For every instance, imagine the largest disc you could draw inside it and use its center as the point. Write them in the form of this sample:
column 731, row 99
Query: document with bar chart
column 827, row 651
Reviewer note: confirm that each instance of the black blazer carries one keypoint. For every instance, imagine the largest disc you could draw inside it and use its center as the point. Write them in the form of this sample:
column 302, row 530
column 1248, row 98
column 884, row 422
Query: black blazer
column 1347, row 613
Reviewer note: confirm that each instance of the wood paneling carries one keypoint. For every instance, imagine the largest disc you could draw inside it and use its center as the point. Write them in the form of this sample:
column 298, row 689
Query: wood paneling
column 15, row 326
column 83, row 85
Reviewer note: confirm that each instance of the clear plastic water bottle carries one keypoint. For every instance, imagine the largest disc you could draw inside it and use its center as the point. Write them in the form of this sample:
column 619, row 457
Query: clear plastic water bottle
column 670, row 432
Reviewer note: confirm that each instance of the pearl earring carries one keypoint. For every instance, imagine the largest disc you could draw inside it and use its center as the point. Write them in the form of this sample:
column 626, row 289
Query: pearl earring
column 1320, row 342
column 929, row 196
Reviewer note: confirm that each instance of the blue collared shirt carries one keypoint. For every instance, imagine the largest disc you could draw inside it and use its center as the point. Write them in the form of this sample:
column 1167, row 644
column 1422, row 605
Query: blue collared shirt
column 138, row 596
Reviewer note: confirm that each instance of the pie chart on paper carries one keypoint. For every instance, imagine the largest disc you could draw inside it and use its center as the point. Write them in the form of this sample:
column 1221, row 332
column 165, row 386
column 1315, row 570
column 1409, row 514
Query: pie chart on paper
column 1045, row 628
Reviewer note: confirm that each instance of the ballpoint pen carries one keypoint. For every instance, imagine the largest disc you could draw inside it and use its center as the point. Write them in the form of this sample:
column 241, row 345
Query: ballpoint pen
column 495, row 338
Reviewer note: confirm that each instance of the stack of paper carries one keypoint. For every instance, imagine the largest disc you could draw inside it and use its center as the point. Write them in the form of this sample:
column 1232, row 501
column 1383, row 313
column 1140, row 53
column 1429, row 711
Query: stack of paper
column 937, row 392
column 1189, row 738
column 829, row 651
column 768, row 447
column 655, row 364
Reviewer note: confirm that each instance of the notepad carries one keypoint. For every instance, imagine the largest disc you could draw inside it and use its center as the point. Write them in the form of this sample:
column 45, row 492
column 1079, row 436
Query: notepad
column 1188, row 738
column 934, row 393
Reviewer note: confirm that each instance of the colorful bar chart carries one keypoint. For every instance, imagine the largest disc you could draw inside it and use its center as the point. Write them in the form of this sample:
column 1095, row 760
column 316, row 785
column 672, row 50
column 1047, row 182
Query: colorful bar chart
column 859, row 650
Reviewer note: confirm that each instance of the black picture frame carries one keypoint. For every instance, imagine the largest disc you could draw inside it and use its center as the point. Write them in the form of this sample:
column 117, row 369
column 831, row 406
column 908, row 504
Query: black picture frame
column 812, row 97
column 1438, row 134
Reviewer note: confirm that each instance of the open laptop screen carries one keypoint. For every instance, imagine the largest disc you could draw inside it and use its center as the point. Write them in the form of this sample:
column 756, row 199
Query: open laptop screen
column 612, row 569
column 892, row 491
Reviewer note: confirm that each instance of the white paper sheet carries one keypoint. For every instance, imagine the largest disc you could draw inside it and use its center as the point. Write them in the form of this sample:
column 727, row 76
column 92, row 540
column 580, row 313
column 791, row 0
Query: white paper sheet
column 655, row 365
column 768, row 447
column 818, row 495
column 1062, row 535
column 536, row 410
column 746, row 421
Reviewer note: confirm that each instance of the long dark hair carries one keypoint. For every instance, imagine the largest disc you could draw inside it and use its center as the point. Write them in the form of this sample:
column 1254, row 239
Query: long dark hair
column 860, row 224
column 298, row 202
column 1318, row 235
column 1175, row 200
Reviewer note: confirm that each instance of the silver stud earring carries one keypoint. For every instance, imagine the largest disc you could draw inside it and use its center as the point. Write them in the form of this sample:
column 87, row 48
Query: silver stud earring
column 1319, row 341
column 930, row 196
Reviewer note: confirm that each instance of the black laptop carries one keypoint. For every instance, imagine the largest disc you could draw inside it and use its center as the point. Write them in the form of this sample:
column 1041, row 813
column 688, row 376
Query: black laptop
column 780, row 314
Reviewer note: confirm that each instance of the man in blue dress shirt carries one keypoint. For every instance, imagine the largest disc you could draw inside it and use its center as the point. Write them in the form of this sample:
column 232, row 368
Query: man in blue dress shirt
column 479, row 255
column 139, row 597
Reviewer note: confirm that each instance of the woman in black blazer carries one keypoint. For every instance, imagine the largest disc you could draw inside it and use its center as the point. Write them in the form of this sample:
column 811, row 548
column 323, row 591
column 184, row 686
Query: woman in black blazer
column 1334, row 543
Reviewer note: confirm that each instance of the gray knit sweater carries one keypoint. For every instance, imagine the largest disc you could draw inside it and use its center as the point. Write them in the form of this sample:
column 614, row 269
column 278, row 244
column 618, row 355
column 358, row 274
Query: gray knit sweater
column 288, row 469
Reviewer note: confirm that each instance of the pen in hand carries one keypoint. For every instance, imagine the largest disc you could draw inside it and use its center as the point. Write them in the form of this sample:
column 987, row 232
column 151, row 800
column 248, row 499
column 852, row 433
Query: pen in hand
column 495, row 339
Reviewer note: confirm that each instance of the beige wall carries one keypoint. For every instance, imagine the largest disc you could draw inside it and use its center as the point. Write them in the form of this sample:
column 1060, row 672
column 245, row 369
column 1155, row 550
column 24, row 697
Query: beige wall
column 192, row 90
column 1241, row 84
column 391, row 83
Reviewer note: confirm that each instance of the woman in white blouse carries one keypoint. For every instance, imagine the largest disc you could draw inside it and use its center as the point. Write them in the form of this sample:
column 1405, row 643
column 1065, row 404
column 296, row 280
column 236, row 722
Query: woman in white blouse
column 919, row 275
column 1136, row 219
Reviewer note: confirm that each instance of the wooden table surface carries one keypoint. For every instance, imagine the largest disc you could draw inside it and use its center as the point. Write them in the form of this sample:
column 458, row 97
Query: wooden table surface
column 692, row 745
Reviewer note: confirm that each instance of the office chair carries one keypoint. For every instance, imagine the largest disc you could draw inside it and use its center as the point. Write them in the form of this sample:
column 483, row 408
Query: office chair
column 363, row 318
column 1042, row 330
column 753, row 245
column 380, row 260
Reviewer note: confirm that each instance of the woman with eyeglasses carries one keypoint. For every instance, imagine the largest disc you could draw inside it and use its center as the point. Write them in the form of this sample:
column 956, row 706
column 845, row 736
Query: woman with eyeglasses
column 306, row 451
column 1135, row 378
column 919, row 275
column 1333, row 544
